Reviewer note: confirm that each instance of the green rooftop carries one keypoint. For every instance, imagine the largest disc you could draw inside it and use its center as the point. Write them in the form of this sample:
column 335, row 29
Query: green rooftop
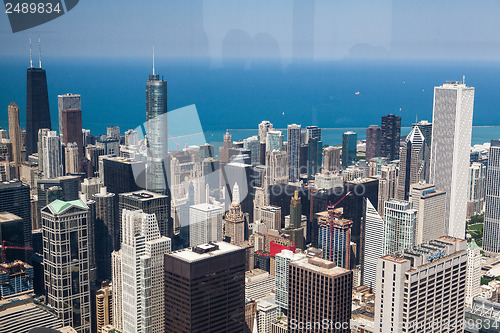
column 58, row 206
column 472, row 245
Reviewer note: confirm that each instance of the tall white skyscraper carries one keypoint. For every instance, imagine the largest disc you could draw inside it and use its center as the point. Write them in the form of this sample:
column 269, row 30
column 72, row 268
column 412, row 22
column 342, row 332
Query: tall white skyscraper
column 473, row 277
column 422, row 289
column 116, row 278
column 50, row 154
column 429, row 204
column 205, row 224
column 399, row 227
column 373, row 243
column 264, row 128
column 142, row 277
column 284, row 258
column 66, row 262
column 386, row 186
column 451, row 139
column 293, row 151
column 491, row 230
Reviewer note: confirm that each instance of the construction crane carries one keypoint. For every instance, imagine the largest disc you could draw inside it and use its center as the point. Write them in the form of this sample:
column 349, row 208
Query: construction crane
column 12, row 246
column 330, row 208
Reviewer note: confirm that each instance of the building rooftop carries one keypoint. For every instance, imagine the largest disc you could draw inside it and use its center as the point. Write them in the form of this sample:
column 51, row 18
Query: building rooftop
column 11, row 184
column 206, row 207
column 143, row 195
column 7, row 217
column 59, row 206
column 322, row 266
column 207, row 251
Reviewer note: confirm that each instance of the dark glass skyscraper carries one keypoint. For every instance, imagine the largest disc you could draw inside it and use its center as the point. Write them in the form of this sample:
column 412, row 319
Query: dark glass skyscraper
column 157, row 135
column 391, row 133
column 37, row 107
column 349, row 148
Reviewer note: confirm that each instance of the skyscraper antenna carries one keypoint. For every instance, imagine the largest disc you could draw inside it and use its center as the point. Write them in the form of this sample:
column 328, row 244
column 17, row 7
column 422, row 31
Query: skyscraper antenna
column 463, row 79
column 153, row 59
column 39, row 53
column 31, row 59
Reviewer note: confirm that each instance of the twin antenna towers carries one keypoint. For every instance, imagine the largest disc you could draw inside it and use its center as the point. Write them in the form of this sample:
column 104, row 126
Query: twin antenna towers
column 39, row 54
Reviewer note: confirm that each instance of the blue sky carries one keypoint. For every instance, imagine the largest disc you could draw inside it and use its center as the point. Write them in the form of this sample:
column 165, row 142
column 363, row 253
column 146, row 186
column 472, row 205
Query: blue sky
column 310, row 29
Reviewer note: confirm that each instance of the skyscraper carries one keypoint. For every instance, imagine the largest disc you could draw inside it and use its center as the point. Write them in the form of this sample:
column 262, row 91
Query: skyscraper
column 491, row 231
column 473, row 276
column 104, row 306
column 72, row 128
column 234, row 224
column 253, row 144
column 50, row 154
column 65, row 102
column 205, row 289
column 413, row 164
column 314, row 157
column 293, row 152
column 142, row 290
column 373, row 141
column 373, row 247
column 283, row 259
column 15, row 199
column 391, row 135
column 309, row 303
column 205, row 224
column 422, row 289
column 107, row 230
column 429, row 204
column 71, row 160
column 158, row 163
column 331, row 159
column 476, row 189
column 349, row 148
column 264, row 128
column 450, row 150
column 425, row 128
column 15, row 135
column 386, row 186
column 37, row 105
column 399, row 228
column 224, row 150
column 67, row 267
column 334, row 238
column 274, row 141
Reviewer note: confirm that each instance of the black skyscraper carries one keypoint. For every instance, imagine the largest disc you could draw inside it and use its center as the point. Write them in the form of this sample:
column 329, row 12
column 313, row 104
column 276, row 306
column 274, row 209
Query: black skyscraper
column 37, row 107
column 391, row 133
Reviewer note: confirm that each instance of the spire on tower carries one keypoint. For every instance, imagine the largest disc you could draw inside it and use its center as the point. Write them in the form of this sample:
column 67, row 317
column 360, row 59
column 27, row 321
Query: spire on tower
column 31, row 59
column 153, row 59
column 39, row 53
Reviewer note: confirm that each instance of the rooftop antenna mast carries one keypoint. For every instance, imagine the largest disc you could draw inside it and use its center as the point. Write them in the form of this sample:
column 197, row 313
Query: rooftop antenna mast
column 463, row 79
column 31, row 59
column 153, row 59
column 39, row 53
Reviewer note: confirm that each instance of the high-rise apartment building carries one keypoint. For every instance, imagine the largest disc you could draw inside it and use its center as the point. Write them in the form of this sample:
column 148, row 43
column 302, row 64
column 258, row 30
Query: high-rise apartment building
column 117, row 283
column 15, row 199
column 349, row 148
column 142, row 284
column 205, row 289
column 37, row 106
column 274, row 141
column 150, row 203
column 391, row 135
column 276, row 168
column 253, row 145
column 400, row 224
column 108, row 231
column 334, row 238
column 264, row 128
column 205, row 224
column 104, row 306
column 386, row 186
column 65, row 102
column 308, row 303
column 491, row 230
column 50, row 154
column 331, row 159
column 122, row 175
column 413, row 164
column 373, row 244
column 157, row 135
column 72, row 128
column 373, row 141
column 67, row 265
column 15, row 136
column 450, row 150
column 283, row 259
column 430, row 206
column 293, row 152
column 71, row 158
column 476, row 189
column 422, row 289
column 113, row 132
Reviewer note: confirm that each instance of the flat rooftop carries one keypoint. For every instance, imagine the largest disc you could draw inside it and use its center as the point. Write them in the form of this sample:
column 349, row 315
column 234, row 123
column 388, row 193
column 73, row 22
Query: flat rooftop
column 7, row 217
column 189, row 255
column 143, row 195
column 322, row 266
